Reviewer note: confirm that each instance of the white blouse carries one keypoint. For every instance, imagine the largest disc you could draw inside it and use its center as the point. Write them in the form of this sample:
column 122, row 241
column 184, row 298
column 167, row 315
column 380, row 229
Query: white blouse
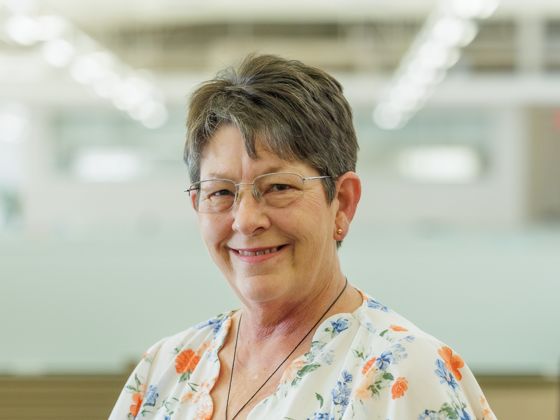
column 369, row 364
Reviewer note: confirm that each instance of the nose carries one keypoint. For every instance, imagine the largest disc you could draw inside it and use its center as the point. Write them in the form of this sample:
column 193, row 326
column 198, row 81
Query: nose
column 249, row 217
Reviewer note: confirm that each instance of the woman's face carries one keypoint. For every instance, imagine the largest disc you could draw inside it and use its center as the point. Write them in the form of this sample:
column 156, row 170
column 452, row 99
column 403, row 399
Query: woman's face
column 299, row 239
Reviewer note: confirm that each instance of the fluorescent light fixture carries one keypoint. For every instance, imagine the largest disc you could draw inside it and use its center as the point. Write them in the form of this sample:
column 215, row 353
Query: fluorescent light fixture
column 156, row 118
column 387, row 118
column 58, row 52
column 106, row 165
column 64, row 45
column 434, row 51
column 89, row 68
column 50, row 27
column 439, row 164
column 22, row 29
column 452, row 31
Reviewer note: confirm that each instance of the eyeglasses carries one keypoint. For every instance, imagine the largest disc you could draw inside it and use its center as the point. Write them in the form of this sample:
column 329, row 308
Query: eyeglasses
column 278, row 189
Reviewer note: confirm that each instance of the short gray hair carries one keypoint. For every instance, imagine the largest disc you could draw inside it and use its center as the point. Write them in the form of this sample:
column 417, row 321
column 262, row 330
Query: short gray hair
column 298, row 112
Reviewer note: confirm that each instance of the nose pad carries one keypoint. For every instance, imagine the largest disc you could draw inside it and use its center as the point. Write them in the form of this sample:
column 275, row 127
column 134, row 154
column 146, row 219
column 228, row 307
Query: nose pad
column 254, row 192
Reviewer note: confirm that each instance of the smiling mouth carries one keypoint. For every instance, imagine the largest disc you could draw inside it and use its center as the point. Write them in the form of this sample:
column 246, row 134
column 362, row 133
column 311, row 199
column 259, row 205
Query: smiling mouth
column 257, row 252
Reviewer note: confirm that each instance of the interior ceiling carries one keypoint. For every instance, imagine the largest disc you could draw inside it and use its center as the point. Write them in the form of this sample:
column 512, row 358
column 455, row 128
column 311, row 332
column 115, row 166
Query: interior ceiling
column 110, row 12
column 357, row 36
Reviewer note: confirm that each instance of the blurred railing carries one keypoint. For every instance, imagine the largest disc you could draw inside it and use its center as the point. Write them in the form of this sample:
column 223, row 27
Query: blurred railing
column 91, row 397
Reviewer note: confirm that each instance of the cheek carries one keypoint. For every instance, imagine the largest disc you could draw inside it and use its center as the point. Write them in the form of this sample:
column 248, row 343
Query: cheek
column 313, row 223
column 214, row 232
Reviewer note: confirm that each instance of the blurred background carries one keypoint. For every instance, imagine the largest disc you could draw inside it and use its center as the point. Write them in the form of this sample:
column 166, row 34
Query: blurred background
column 457, row 108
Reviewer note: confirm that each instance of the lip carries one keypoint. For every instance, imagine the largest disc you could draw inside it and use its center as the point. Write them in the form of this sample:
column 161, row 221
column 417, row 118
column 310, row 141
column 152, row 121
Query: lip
column 257, row 255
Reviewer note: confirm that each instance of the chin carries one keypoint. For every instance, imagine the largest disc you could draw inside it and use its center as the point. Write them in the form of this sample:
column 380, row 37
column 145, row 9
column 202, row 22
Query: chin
column 259, row 288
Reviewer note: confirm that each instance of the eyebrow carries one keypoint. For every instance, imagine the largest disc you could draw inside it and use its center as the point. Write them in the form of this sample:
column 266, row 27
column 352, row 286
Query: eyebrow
column 269, row 170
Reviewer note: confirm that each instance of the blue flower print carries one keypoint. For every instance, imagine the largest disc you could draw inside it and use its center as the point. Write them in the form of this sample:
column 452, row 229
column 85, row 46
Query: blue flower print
column 428, row 415
column 321, row 416
column 151, row 396
column 445, row 375
column 464, row 415
column 374, row 304
column 384, row 360
column 341, row 392
column 215, row 323
column 339, row 325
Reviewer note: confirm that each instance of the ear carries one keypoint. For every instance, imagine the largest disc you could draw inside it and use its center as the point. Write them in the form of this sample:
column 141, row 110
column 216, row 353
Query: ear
column 348, row 193
column 193, row 197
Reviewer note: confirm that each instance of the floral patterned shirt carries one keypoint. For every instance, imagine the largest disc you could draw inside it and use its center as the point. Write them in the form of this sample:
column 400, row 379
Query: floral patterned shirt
column 369, row 364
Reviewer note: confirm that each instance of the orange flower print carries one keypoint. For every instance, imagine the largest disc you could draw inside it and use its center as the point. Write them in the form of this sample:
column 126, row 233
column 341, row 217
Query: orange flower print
column 453, row 362
column 187, row 396
column 398, row 328
column 136, row 403
column 399, row 388
column 486, row 411
column 186, row 361
column 205, row 408
column 368, row 365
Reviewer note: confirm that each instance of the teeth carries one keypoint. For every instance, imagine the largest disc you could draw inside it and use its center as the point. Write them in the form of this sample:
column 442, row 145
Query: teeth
column 256, row 253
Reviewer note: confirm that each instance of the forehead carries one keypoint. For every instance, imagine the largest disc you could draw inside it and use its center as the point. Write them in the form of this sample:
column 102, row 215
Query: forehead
column 225, row 156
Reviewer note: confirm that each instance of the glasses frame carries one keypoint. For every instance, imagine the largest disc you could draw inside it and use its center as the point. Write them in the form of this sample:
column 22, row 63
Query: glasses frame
column 254, row 191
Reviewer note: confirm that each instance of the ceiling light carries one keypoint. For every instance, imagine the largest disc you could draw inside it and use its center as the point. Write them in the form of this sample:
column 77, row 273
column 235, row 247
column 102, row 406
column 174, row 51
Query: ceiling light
column 107, row 86
column 454, row 32
column 156, row 118
column 58, row 52
column 132, row 92
column 50, row 27
column 91, row 67
column 434, row 51
column 387, row 118
column 22, row 29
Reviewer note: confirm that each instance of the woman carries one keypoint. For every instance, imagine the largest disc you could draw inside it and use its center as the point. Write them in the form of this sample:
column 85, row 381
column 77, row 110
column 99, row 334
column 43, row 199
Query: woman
column 271, row 152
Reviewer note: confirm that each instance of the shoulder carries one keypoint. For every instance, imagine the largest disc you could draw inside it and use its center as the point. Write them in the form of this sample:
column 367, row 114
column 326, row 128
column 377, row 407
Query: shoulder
column 196, row 338
column 386, row 326
column 413, row 369
column 398, row 341
column 171, row 360
column 182, row 351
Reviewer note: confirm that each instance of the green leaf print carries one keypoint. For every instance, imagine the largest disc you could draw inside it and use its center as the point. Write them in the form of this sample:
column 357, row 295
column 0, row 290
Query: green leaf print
column 304, row 371
column 307, row 368
column 185, row 376
column 320, row 399
column 387, row 376
column 359, row 354
column 449, row 411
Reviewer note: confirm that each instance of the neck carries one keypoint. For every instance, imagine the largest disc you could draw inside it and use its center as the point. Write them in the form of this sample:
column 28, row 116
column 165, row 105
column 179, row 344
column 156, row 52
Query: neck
column 265, row 321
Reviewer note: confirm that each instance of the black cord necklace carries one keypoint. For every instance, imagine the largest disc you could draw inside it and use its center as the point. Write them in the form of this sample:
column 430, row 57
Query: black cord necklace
column 281, row 363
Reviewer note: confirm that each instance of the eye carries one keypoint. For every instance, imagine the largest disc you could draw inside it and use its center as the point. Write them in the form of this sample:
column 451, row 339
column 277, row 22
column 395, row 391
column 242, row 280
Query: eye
column 221, row 193
column 279, row 187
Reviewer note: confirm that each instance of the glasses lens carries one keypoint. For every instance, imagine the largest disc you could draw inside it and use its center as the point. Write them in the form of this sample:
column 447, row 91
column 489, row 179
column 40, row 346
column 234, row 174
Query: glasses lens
column 279, row 189
column 215, row 196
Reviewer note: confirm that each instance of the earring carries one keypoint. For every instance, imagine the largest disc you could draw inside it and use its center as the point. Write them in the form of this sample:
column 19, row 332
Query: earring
column 339, row 231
